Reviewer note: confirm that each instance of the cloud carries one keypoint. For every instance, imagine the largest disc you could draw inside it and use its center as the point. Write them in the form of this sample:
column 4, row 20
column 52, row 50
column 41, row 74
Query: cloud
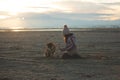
column 80, row 7
column 102, row 1
column 39, row 7
column 115, row 3
column 87, row 7
column 4, row 13
column 61, row 16
column 116, row 10
column 54, row 19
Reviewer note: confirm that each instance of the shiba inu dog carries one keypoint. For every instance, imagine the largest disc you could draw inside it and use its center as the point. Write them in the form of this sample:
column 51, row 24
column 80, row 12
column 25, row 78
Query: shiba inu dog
column 50, row 50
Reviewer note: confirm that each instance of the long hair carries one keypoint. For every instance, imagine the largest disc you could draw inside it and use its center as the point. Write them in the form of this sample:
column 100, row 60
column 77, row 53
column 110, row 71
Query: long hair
column 67, row 36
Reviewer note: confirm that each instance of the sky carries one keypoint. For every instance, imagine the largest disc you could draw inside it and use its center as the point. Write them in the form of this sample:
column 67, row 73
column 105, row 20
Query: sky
column 17, row 14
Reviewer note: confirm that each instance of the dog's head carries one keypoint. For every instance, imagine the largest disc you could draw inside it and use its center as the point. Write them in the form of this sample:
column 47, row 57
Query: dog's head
column 50, row 45
column 50, row 50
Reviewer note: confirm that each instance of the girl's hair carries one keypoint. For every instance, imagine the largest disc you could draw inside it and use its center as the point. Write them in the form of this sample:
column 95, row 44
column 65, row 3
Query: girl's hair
column 65, row 39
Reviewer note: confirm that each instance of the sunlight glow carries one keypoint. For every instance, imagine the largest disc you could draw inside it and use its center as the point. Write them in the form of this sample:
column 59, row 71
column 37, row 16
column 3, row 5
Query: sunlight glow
column 13, row 7
column 3, row 17
column 16, row 28
column 14, row 23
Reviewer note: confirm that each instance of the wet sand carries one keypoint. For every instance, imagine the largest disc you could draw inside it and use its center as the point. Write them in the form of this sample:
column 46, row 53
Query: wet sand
column 21, row 56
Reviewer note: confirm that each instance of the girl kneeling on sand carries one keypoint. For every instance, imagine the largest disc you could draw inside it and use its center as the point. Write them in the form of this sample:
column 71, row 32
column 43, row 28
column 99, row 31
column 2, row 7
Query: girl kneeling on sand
column 70, row 50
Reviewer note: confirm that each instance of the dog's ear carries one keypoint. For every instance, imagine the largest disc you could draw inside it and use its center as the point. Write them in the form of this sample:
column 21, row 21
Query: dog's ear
column 50, row 45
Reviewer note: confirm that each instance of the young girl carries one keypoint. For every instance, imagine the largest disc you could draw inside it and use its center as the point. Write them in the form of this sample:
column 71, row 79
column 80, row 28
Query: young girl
column 70, row 49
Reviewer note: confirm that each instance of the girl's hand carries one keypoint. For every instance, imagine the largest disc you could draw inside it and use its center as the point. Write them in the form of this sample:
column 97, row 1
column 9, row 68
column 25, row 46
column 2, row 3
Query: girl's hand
column 62, row 49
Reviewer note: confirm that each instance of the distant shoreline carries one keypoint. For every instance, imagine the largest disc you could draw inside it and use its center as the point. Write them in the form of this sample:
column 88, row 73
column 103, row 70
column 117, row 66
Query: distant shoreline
column 59, row 29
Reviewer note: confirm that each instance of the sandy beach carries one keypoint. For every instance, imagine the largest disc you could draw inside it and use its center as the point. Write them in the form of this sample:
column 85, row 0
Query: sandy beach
column 21, row 56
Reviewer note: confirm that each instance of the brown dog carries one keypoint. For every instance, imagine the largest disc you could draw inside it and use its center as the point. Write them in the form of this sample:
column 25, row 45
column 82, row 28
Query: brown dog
column 50, row 49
